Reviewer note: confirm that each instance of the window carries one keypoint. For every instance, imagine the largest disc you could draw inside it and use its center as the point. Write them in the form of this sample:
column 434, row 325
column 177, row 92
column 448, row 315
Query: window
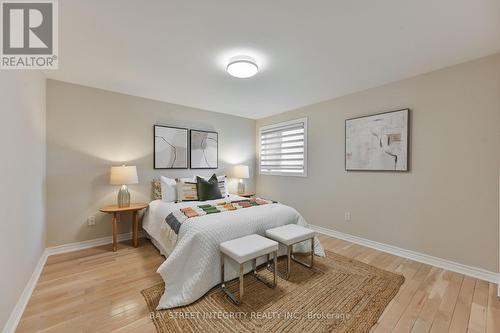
column 283, row 148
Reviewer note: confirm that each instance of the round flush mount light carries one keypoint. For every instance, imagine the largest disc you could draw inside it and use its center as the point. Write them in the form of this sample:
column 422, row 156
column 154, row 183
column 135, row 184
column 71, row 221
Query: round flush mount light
column 242, row 67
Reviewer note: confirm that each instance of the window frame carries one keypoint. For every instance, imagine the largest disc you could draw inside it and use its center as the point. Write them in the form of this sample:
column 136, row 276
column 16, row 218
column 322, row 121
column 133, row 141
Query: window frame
column 277, row 125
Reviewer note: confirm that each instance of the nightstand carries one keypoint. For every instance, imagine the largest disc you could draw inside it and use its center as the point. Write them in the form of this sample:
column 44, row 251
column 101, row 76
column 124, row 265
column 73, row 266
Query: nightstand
column 134, row 208
column 245, row 194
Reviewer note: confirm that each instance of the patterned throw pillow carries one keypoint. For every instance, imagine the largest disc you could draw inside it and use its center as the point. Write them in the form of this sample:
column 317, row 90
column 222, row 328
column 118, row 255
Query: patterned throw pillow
column 186, row 191
column 223, row 185
column 156, row 189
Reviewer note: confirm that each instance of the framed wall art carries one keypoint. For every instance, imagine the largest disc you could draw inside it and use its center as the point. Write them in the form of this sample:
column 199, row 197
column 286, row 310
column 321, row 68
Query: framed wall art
column 204, row 148
column 378, row 142
column 170, row 147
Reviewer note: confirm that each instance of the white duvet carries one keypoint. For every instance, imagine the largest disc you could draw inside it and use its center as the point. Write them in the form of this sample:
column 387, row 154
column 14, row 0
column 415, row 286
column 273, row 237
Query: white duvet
column 193, row 260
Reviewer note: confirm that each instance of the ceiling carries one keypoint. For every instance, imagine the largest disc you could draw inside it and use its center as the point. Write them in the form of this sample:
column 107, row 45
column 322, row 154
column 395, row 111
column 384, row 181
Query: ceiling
column 308, row 51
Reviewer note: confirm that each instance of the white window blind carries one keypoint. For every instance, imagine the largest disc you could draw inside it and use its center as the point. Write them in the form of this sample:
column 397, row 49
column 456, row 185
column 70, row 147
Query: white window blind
column 283, row 148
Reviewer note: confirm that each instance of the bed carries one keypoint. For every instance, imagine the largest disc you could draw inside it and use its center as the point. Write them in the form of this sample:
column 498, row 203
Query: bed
column 192, row 266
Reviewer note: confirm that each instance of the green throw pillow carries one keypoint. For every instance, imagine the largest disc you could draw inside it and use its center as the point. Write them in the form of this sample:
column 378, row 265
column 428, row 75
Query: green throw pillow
column 208, row 190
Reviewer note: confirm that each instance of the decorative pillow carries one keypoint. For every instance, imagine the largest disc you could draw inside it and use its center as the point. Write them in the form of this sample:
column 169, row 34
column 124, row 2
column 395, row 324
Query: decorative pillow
column 222, row 184
column 156, row 189
column 208, row 190
column 168, row 189
column 186, row 191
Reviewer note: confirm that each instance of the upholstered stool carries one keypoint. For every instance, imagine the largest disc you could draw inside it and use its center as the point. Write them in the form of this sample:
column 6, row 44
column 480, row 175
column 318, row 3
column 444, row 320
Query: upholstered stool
column 290, row 235
column 243, row 250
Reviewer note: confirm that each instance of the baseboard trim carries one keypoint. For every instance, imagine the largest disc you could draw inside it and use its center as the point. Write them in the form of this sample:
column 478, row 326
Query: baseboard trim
column 17, row 312
column 70, row 247
column 475, row 272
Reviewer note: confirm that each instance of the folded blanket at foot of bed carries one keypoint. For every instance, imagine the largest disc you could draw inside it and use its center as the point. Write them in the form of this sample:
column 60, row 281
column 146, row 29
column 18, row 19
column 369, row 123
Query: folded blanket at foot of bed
column 175, row 219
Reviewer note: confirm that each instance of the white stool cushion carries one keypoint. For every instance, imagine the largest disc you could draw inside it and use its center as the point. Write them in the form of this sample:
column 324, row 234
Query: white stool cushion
column 247, row 248
column 290, row 234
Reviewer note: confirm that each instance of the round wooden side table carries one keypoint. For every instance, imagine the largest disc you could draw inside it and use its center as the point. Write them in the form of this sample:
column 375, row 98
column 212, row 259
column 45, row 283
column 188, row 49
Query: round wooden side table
column 134, row 208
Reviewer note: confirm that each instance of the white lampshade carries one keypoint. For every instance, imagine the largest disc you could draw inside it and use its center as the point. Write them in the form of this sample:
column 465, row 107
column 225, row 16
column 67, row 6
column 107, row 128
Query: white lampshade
column 241, row 172
column 123, row 175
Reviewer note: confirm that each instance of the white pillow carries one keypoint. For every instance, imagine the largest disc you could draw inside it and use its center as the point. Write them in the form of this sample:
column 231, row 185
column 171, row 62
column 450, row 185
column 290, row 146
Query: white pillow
column 168, row 189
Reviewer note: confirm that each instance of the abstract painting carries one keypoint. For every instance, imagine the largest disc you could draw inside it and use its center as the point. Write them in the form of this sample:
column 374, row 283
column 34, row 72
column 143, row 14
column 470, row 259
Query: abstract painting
column 378, row 142
column 171, row 146
column 204, row 150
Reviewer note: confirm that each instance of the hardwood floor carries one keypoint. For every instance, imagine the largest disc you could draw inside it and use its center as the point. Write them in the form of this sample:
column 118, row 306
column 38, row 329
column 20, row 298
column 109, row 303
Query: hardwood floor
column 94, row 290
column 97, row 290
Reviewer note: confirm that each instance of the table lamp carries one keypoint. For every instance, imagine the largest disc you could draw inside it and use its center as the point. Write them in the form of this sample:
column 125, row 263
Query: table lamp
column 123, row 176
column 241, row 172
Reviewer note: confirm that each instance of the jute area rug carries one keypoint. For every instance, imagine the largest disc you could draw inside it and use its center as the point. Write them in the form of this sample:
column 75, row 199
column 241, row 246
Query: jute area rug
column 338, row 295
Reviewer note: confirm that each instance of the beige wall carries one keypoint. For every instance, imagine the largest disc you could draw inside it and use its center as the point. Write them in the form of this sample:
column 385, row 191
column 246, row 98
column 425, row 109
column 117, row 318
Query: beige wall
column 22, row 193
column 88, row 130
column 447, row 205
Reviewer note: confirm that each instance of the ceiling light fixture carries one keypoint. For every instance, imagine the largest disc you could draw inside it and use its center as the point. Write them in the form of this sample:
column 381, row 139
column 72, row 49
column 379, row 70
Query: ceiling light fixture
column 242, row 67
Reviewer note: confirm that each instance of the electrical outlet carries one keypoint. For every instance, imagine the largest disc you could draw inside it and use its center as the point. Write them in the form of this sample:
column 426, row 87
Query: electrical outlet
column 91, row 221
column 347, row 216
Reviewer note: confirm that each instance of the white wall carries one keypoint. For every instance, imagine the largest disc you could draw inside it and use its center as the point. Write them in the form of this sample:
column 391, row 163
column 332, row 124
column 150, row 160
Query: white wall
column 89, row 130
column 22, row 189
column 447, row 205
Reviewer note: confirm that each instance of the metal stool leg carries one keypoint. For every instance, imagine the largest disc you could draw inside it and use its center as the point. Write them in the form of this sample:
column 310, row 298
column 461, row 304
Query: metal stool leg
column 222, row 270
column 223, row 284
column 275, row 266
column 310, row 265
column 241, row 282
column 241, row 276
column 259, row 278
column 288, row 260
column 312, row 252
